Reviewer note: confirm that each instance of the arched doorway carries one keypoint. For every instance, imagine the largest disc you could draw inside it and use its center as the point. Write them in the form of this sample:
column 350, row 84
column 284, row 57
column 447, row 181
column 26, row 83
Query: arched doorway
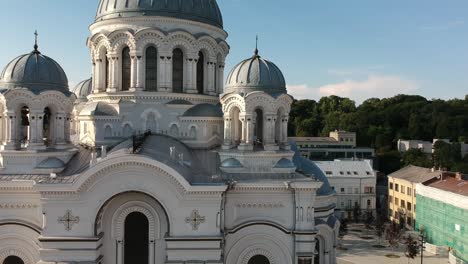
column 13, row 260
column 200, row 72
column 136, row 239
column 318, row 251
column 177, row 71
column 126, row 69
column 259, row 259
column 259, row 127
column 25, row 126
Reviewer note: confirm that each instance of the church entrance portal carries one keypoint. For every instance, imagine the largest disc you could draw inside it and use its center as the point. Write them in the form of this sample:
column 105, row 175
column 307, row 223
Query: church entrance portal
column 259, row 259
column 13, row 260
column 136, row 239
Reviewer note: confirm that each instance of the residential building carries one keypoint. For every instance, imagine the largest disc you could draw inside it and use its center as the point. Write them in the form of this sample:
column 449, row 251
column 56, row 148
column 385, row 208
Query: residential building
column 339, row 145
column 443, row 214
column 402, row 193
column 426, row 146
column 354, row 183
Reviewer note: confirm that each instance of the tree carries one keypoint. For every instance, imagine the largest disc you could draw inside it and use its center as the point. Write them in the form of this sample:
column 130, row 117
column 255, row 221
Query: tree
column 416, row 157
column 446, row 155
column 344, row 227
column 380, row 228
column 356, row 213
column 392, row 235
column 412, row 248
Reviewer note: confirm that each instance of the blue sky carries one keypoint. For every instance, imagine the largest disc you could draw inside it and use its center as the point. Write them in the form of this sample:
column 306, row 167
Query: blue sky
column 359, row 48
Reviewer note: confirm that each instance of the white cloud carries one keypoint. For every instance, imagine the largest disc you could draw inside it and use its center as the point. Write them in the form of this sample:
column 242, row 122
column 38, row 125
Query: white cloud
column 374, row 86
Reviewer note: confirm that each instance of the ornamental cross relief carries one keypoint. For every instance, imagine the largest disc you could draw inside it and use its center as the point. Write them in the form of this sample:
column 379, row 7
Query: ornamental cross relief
column 68, row 220
column 195, row 219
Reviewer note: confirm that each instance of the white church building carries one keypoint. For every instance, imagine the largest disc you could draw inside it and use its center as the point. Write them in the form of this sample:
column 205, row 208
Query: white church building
column 154, row 160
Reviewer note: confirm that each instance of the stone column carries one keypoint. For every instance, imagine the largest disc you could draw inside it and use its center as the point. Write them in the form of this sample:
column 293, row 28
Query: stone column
column 113, row 73
column 11, row 130
column 247, row 133
column 140, row 69
column 268, row 131
column 191, row 86
column 220, row 84
column 36, row 141
column 67, row 127
column 167, row 73
column 2, row 129
column 133, row 73
column 96, row 75
column 210, row 78
column 284, row 132
column 227, row 133
column 59, row 128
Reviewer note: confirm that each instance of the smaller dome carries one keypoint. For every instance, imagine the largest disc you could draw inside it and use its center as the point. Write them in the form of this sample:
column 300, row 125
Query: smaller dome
column 256, row 74
column 34, row 71
column 98, row 109
column 51, row 163
column 83, row 89
column 231, row 163
column 204, row 110
column 285, row 164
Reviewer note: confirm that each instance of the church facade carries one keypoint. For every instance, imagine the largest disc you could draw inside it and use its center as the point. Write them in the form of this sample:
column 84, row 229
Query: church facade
column 153, row 159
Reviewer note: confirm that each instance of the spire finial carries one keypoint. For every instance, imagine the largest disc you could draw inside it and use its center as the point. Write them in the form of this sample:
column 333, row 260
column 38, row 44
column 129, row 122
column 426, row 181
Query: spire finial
column 256, row 46
column 35, row 42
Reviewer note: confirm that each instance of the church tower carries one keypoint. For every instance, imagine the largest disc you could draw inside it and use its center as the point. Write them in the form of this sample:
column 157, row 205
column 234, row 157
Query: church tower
column 256, row 109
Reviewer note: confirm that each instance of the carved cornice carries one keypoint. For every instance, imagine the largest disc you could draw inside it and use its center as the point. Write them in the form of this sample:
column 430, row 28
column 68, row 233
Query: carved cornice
column 18, row 205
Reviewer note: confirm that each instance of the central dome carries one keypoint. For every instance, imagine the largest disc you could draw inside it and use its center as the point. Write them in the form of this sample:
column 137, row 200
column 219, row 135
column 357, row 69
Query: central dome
column 204, row 11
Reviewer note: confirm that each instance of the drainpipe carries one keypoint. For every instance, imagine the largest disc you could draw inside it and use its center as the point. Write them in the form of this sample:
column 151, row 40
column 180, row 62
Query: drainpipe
column 293, row 191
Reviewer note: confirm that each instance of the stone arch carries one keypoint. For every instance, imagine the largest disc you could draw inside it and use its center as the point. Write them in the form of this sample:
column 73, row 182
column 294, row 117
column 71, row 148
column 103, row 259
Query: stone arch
column 101, row 43
column 258, row 240
column 223, row 47
column 147, row 37
column 182, row 40
column 8, row 252
column 107, row 131
column 174, row 130
column 233, row 101
column 121, row 214
column 209, row 45
column 259, row 100
column 120, row 39
column 127, row 129
column 326, row 237
column 19, row 241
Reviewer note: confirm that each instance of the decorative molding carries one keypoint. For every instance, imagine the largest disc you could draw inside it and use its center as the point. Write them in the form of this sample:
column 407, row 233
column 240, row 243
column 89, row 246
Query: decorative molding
column 15, row 205
column 252, row 252
column 195, row 219
column 68, row 220
column 118, row 221
column 259, row 204
column 6, row 252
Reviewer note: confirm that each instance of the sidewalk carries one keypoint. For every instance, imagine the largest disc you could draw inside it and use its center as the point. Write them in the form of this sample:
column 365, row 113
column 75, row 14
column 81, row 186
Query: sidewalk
column 361, row 251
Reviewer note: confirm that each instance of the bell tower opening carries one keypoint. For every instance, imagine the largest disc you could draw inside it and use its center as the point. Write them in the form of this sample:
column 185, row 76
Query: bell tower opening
column 258, row 127
column 259, row 259
column 136, row 239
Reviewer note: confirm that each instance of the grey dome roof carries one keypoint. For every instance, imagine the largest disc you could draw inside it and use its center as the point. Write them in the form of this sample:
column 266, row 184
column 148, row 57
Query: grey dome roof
column 204, row 110
column 34, row 71
column 256, row 74
column 285, row 164
column 51, row 163
column 231, row 163
column 204, row 11
column 83, row 89
column 98, row 109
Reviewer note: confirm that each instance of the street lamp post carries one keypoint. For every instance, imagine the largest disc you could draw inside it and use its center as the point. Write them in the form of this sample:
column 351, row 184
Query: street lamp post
column 421, row 245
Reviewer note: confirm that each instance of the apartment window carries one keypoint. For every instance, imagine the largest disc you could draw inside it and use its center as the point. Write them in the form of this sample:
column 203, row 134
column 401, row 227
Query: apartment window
column 368, row 203
column 356, row 190
column 350, row 190
column 414, row 207
column 409, row 191
column 349, row 203
column 408, row 206
column 397, row 187
column 368, row 189
column 403, row 189
column 329, row 173
column 390, row 212
column 396, row 201
column 342, row 190
column 390, row 199
column 342, row 204
column 390, row 185
column 402, row 203
column 409, row 221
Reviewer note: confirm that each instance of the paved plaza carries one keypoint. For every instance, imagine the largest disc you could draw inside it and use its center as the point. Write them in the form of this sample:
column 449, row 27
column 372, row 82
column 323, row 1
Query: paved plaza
column 361, row 251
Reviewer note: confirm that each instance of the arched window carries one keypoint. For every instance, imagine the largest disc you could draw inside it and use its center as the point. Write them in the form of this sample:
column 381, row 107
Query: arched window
column 236, row 126
column 126, row 69
column 151, row 124
column 47, row 125
column 193, row 132
column 318, row 251
column 136, row 239
column 151, row 69
column 24, row 132
column 259, row 259
column 127, row 130
column 259, row 127
column 178, row 71
column 108, row 132
column 174, row 131
column 106, row 77
column 200, row 72
column 13, row 260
